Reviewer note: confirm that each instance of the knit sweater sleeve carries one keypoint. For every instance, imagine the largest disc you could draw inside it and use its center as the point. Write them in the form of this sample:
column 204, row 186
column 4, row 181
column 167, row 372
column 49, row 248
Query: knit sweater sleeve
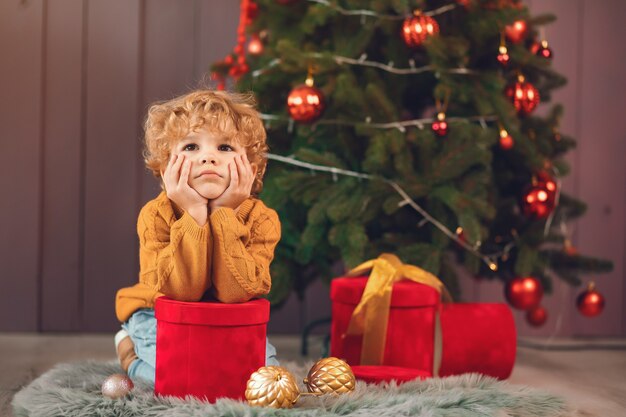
column 242, row 253
column 173, row 255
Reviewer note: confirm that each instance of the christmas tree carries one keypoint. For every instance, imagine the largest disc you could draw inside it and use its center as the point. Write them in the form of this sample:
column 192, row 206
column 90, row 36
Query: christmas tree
column 410, row 127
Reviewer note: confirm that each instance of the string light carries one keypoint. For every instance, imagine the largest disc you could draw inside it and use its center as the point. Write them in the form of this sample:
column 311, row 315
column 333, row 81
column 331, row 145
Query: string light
column 371, row 13
column 489, row 260
column 412, row 69
column 390, row 125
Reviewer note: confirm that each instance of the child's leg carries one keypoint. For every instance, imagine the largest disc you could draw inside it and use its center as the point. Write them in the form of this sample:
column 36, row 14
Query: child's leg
column 270, row 354
column 141, row 328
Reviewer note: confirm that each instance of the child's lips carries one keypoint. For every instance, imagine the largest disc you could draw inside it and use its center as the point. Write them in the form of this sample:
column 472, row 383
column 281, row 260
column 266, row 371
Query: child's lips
column 209, row 173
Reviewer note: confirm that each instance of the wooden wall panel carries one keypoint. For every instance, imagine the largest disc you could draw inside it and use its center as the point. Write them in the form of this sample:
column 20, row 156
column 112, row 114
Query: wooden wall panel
column 76, row 79
column 602, row 146
column 20, row 159
column 216, row 34
column 169, row 37
column 62, row 219
column 110, row 156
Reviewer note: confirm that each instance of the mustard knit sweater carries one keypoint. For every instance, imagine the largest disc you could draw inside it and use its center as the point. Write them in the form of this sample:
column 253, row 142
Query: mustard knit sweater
column 231, row 255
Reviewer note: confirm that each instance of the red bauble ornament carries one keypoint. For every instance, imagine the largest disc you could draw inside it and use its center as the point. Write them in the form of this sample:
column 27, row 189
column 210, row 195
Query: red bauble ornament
column 506, row 141
column 464, row 3
column 523, row 95
column 252, row 11
column 590, row 302
column 537, row 316
column 538, row 202
column 305, row 103
column 545, row 180
column 503, row 56
column 255, row 46
column 440, row 126
column 541, row 49
column 523, row 292
column 416, row 29
column 516, row 31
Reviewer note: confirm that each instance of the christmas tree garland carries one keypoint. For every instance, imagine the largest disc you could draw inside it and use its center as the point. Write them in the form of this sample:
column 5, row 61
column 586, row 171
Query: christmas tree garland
column 370, row 13
column 489, row 260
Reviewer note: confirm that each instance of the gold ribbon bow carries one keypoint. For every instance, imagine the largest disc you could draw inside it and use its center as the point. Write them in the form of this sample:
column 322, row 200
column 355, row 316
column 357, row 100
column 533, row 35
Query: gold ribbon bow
column 371, row 314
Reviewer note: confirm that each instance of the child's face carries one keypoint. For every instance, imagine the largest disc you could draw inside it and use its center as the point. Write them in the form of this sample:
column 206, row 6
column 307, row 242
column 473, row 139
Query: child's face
column 209, row 154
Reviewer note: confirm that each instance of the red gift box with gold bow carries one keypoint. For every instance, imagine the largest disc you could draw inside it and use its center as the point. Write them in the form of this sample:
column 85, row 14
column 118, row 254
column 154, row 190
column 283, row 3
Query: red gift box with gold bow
column 401, row 317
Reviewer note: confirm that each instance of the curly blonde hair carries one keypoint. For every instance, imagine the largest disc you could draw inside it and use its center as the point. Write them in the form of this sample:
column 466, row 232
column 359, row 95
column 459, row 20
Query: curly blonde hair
column 231, row 115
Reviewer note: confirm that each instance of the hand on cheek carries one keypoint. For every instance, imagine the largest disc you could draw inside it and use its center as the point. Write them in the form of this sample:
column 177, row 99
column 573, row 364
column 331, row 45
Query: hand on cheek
column 241, row 180
column 176, row 182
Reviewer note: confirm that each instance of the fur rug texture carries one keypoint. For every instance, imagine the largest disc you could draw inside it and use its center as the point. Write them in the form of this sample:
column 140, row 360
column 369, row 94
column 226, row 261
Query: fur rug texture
column 74, row 390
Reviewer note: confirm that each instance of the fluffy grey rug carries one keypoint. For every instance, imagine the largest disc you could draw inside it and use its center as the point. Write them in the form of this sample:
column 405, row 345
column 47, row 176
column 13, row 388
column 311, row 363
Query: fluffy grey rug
column 74, row 390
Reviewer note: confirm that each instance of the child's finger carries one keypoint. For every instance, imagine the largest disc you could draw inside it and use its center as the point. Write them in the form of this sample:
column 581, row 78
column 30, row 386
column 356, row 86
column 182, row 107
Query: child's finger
column 167, row 174
column 234, row 174
column 168, row 169
column 176, row 167
column 184, row 174
column 170, row 162
column 248, row 169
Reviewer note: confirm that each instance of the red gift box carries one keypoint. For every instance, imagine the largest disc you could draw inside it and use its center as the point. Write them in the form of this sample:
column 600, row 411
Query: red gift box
column 410, row 341
column 208, row 349
column 478, row 337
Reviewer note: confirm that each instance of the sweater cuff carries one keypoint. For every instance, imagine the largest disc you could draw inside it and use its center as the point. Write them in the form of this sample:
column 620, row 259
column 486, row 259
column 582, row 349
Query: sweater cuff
column 224, row 215
column 189, row 227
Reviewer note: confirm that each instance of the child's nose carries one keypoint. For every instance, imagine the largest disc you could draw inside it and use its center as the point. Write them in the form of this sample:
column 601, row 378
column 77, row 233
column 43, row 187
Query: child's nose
column 208, row 157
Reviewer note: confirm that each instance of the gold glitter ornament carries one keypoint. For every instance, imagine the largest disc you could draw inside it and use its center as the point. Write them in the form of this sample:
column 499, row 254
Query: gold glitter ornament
column 272, row 386
column 330, row 375
column 117, row 386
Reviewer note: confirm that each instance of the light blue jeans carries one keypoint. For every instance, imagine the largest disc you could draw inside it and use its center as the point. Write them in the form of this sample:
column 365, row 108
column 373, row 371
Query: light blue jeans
column 142, row 330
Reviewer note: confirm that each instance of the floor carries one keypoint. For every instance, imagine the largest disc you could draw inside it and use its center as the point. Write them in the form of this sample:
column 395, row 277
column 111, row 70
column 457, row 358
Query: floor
column 590, row 375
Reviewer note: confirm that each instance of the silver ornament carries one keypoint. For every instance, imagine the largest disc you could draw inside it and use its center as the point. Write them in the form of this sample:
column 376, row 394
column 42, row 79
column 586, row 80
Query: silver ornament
column 117, row 386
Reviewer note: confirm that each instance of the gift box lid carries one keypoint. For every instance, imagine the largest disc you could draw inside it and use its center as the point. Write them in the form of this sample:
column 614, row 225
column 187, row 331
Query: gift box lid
column 405, row 293
column 376, row 374
column 212, row 313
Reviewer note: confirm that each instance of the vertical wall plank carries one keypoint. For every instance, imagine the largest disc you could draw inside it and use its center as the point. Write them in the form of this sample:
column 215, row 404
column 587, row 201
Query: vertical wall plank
column 216, row 33
column 61, row 199
column 602, row 148
column 20, row 159
column 111, row 157
column 161, row 79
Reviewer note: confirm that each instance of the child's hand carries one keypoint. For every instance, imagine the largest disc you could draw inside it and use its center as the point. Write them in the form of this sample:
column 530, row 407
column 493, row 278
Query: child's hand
column 241, row 179
column 175, row 179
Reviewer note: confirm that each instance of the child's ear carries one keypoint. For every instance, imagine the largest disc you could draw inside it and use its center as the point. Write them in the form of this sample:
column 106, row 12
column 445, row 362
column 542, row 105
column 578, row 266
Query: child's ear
column 255, row 169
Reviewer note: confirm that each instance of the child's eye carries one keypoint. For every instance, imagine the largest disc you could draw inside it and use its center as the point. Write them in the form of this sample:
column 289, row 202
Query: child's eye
column 190, row 147
column 226, row 148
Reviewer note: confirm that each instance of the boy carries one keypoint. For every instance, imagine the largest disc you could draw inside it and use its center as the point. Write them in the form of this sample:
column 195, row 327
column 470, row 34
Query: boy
column 205, row 233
